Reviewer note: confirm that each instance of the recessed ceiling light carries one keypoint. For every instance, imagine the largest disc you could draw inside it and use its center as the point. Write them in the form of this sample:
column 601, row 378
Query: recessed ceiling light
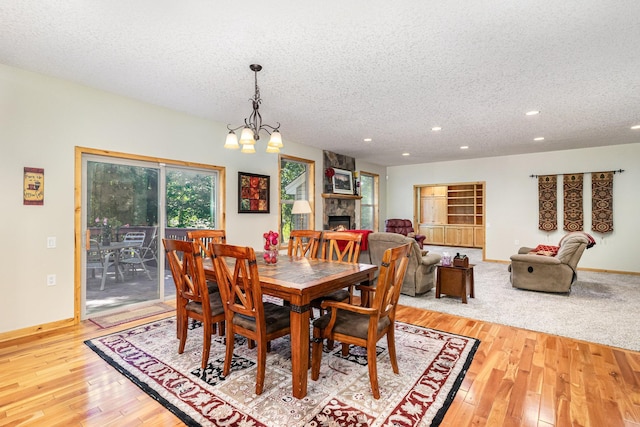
column 635, row 127
column 464, row 147
column 406, row 154
column 532, row 113
column 436, row 128
column 540, row 138
column 368, row 140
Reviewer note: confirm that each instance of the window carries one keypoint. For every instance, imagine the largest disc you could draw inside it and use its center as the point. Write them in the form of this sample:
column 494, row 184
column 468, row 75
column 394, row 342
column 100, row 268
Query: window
column 296, row 183
column 369, row 203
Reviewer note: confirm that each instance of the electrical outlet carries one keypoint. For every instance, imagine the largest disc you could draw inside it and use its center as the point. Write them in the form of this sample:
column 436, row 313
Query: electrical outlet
column 51, row 242
column 51, row 279
column 516, row 242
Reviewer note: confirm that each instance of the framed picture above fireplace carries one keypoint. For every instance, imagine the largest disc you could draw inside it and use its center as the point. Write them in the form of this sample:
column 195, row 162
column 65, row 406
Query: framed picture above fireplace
column 342, row 181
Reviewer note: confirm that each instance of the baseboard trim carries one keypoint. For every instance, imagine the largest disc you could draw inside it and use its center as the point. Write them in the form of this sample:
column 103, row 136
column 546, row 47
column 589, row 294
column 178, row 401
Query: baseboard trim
column 35, row 330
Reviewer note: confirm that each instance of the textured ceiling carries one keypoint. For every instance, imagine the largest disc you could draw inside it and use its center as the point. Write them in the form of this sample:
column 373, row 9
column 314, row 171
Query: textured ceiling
column 336, row 72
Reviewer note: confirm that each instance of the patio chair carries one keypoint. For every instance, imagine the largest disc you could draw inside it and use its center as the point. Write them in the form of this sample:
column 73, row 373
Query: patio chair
column 99, row 259
column 136, row 254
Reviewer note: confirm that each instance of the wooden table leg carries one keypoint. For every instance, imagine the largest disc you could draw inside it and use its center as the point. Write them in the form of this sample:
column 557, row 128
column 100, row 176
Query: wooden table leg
column 299, row 348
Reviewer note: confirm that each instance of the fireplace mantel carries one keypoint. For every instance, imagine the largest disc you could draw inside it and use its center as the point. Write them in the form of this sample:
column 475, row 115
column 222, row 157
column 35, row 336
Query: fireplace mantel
column 340, row 196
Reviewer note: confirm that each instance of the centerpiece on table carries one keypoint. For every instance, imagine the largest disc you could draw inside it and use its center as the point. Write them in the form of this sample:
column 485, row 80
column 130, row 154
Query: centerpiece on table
column 270, row 247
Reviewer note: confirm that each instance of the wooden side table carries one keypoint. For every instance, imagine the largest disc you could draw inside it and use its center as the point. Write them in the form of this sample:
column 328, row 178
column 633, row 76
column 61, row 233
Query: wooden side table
column 455, row 281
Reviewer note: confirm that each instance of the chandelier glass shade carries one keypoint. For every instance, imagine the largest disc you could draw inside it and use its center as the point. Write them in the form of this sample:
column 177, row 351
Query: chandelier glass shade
column 253, row 125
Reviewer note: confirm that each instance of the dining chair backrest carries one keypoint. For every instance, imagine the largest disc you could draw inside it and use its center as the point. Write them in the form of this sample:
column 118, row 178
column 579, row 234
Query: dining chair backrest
column 187, row 269
column 136, row 238
column 204, row 237
column 304, row 243
column 342, row 246
column 390, row 278
column 239, row 284
column 94, row 254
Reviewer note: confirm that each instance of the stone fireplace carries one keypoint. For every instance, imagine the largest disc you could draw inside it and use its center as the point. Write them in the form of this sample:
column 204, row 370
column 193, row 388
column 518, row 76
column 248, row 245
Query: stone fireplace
column 337, row 205
column 339, row 220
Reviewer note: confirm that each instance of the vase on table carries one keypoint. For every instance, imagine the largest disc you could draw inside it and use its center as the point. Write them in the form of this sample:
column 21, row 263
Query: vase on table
column 270, row 248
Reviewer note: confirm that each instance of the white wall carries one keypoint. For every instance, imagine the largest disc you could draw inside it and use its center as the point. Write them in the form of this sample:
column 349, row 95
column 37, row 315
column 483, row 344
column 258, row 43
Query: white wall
column 512, row 199
column 42, row 119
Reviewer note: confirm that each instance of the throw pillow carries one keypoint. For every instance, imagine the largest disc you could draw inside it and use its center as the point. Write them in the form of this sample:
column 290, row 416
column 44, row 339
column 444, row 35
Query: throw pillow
column 545, row 250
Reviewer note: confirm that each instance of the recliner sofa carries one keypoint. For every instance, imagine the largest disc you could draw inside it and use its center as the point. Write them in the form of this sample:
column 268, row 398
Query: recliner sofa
column 420, row 275
column 539, row 270
column 404, row 227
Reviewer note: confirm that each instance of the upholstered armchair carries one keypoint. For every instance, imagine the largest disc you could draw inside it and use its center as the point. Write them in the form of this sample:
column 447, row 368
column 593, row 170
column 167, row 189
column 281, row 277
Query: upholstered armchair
column 404, row 227
column 542, row 269
column 420, row 275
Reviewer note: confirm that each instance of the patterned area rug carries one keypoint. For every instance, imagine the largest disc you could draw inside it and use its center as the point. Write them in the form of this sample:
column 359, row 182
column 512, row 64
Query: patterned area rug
column 432, row 366
column 121, row 317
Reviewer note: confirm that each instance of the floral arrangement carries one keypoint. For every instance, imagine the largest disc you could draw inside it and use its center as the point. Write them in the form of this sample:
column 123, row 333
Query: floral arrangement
column 329, row 173
column 106, row 230
column 270, row 247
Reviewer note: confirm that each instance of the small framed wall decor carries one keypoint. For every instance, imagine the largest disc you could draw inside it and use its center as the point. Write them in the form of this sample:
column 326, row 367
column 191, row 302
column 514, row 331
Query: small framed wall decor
column 342, row 181
column 33, row 189
column 253, row 193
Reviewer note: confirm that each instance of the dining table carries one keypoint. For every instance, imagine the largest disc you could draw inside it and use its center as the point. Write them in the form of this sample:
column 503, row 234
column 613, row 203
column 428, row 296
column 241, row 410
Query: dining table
column 299, row 280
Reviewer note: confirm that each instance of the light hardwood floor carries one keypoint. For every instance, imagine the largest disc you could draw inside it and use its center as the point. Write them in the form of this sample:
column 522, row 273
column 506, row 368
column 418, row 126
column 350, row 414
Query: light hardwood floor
column 517, row 378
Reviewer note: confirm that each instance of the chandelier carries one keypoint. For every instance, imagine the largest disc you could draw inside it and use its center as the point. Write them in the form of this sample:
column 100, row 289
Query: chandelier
column 252, row 127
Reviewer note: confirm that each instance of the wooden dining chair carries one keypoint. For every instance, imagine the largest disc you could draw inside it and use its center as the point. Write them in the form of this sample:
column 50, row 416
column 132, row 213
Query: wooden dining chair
column 193, row 300
column 204, row 237
column 364, row 326
column 339, row 246
column 304, row 243
column 246, row 313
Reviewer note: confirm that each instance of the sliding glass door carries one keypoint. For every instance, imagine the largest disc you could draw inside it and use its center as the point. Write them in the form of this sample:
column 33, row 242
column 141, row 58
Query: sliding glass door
column 128, row 206
column 121, row 217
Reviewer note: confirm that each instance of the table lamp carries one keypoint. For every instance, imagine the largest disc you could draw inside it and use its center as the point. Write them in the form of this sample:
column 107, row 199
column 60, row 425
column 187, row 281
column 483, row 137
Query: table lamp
column 301, row 207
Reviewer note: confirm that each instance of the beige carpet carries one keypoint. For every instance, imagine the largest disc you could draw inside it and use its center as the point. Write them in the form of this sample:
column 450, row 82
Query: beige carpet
column 601, row 308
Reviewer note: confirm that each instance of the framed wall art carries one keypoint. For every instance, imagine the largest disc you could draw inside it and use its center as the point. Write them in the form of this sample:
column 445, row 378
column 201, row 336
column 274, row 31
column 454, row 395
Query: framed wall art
column 33, row 189
column 342, row 181
column 253, row 193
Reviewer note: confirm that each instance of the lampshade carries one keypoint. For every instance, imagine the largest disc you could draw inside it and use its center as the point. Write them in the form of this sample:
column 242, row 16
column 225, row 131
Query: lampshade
column 275, row 140
column 232, row 141
column 301, row 207
column 246, row 137
column 248, row 148
column 272, row 149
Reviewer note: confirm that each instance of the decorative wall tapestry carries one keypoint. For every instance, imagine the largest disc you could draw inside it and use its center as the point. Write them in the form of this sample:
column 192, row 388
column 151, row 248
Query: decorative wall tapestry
column 548, row 202
column 573, row 215
column 602, row 202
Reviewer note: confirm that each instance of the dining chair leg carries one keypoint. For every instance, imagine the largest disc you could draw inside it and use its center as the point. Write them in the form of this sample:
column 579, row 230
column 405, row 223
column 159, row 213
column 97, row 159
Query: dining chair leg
column 373, row 370
column 262, row 362
column 316, row 355
column 391, row 345
column 228, row 357
column 206, row 346
column 182, row 334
